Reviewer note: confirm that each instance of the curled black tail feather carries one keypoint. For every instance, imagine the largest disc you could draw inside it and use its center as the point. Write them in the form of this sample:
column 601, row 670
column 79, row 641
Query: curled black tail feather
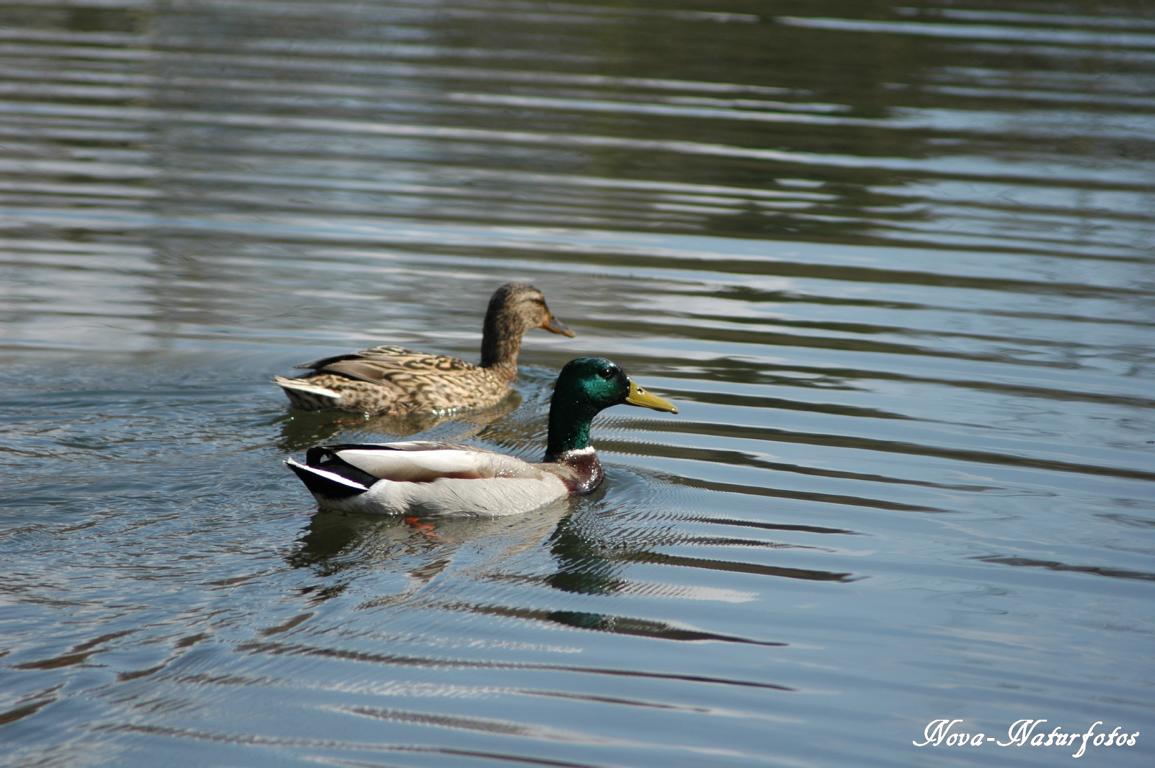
column 325, row 459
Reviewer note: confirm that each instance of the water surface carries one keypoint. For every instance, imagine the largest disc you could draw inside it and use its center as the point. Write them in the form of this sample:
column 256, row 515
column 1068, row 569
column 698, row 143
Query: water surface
column 893, row 262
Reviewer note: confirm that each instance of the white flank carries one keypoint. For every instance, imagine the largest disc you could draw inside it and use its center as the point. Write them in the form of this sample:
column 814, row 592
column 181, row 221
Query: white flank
column 491, row 497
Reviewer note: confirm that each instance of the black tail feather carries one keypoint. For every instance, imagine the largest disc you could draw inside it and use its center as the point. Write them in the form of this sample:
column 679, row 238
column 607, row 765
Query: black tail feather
column 326, row 457
column 320, row 485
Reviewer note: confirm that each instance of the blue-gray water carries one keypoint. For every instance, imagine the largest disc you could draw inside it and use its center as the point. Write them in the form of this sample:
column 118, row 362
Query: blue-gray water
column 894, row 262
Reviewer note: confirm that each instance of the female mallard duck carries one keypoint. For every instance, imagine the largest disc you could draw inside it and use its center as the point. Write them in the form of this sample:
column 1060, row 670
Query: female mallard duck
column 444, row 479
column 395, row 381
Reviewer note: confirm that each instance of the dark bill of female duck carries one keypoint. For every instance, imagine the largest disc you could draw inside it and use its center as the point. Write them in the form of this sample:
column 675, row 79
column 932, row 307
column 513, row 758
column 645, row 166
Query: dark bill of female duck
column 429, row 478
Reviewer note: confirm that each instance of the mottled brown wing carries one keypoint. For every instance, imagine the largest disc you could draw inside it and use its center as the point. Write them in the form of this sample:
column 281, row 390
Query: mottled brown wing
column 381, row 364
column 364, row 354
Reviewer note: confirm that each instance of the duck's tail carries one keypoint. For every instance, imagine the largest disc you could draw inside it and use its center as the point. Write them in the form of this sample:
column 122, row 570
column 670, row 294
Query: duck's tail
column 324, row 483
column 306, row 396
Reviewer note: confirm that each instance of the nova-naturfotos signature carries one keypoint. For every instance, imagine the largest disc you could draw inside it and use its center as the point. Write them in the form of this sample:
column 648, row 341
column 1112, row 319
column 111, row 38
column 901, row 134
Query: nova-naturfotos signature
column 1027, row 733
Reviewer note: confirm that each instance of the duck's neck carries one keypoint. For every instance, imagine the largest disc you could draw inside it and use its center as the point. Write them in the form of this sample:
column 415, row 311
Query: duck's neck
column 500, row 343
column 567, row 432
column 583, row 472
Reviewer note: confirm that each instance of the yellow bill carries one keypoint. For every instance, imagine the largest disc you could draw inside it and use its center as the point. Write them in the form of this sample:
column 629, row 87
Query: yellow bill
column 639, row 396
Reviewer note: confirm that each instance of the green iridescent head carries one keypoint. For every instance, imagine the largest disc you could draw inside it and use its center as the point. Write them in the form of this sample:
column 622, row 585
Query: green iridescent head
column 584, row 387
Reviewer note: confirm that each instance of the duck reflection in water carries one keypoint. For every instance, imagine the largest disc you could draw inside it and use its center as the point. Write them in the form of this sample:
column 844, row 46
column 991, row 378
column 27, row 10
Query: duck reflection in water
column 302, row 429
column 342, row 547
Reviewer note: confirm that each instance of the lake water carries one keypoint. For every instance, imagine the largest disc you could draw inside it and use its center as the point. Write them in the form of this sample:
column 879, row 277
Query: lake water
column 894, row 262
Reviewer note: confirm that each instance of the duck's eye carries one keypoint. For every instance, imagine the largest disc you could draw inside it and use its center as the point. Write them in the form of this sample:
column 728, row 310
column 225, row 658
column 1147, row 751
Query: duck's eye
column 608, row 373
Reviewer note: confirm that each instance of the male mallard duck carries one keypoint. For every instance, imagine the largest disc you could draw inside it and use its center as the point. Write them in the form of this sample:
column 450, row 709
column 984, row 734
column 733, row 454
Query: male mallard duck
column 396, row 381
column 425, row 478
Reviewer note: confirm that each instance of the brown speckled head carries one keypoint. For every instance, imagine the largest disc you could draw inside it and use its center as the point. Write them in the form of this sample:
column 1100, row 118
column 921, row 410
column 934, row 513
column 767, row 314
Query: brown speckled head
column 514, row 308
